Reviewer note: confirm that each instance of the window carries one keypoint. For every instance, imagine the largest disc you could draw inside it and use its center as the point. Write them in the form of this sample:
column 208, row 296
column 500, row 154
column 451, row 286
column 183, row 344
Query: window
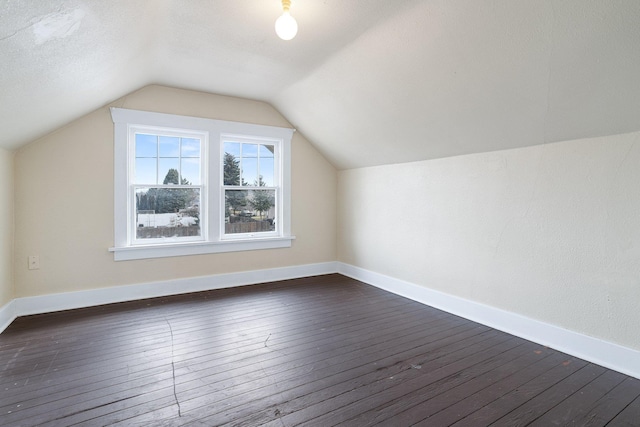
column 249, row 187
column 187, row 185
column 166, row 186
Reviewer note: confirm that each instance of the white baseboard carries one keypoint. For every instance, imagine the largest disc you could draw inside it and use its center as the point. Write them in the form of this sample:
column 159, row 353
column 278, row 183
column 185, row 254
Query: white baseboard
column 80, row 299
column 604, row 353
column 7, row 315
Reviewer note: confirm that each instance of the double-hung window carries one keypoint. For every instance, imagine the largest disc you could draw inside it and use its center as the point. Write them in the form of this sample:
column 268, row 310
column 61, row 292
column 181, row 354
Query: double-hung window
column 250, row 186
column 166, row 185
column 186, row 185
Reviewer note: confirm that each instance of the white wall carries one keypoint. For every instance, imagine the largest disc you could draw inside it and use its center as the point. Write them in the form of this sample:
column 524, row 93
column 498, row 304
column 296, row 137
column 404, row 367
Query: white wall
column 6, row 226
column 64, row 202
column 550, row 232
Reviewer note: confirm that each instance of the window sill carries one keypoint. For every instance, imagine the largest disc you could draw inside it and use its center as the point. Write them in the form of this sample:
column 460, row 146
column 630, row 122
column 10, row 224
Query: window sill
column 198, row 248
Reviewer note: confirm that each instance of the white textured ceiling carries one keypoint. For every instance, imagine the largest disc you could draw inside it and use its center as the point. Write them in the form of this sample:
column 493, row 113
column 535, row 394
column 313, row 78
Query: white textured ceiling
column 367, row 81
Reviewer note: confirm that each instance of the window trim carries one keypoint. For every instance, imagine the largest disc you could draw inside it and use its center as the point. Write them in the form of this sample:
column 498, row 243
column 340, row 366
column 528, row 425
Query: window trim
column 278, row 166
column 131, row 153
column 124, row 119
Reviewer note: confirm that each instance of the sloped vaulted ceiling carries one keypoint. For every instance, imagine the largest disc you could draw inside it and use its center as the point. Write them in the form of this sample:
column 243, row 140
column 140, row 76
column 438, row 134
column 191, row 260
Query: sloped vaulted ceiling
column 367, row 81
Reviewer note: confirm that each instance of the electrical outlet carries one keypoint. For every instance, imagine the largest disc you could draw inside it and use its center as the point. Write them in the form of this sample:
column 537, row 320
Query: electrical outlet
column 34, row 262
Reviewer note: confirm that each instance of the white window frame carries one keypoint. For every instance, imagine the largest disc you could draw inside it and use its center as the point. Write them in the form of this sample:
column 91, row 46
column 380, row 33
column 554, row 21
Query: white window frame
column 243, row 139
column 163, row 131
column 213, row 240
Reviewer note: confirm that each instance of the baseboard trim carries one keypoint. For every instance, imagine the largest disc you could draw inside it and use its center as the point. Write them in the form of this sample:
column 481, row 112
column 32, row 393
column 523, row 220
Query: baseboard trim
column 604, row 353
column 7, row 315
column 81, row 299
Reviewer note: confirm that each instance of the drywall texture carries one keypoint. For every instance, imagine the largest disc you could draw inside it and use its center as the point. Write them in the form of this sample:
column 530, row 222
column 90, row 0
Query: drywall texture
column 64, row 202
column 6, row 227
column 551, row 232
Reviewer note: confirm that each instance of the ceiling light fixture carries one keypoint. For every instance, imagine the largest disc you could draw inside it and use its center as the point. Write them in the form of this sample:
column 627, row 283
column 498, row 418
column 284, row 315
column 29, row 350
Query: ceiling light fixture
column 286, row 25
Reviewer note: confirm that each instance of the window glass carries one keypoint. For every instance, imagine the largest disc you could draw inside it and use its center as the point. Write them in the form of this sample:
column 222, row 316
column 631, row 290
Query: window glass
column 146, row 145
column 249, row 151
column 231, row 169
column 250, row 165
column 190, row 147
column 236, row 204
column 169, row 146
column 249, row 171
column 160, row 212
column 232, row 148
column 167, row 212
column 250, row 211
column 267, row 165
column 168, row 171
column 146, row 154
column 190, row 168
column 146, row 171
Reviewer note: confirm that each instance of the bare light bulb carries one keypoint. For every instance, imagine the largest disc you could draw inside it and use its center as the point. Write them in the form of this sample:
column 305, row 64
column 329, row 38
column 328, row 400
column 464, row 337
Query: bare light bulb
column 286, row 25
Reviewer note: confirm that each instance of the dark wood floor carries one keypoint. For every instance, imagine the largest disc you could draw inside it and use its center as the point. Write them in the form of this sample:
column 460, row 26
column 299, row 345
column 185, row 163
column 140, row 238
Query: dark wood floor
column 320, row 351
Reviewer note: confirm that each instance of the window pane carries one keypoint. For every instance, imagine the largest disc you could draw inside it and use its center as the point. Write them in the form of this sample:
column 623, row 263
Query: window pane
column 249, row 164
column 249, row 171
column 169, row 146
column 146, row 171
column 249, row 150
column 266, row 175
column 167, row 212
column 146, row 145
column 231, row 169
column 190, row 147
column 263, row 203
column 266, row 151
column 249, row 211
column 266, row 172
column 190, row 171
column 236, row 203
column 267, row 162
column 232, row 148
column 168, row 172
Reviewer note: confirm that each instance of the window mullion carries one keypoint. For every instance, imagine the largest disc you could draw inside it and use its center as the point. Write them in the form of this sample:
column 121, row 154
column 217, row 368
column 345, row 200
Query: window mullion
column 157, row 159
column 179, row 160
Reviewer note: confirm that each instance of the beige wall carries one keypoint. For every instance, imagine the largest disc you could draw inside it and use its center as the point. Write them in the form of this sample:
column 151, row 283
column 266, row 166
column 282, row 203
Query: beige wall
column 550, row 232
column 64, row 202
column 6, row 227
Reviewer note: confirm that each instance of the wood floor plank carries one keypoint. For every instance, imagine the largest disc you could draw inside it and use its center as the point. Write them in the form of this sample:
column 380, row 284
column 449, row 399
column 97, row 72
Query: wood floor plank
column 318, row 351
column 324, row 367
column 409, row 405
column 610, row 405
column 581, row 400
column 192, row 352
column 121, row 342
column 199, row 374
column 523, row 393
column 629, row 416
column 548, row 399
column 323, row 384
column 459, row 409
column 333, row 410
column 374, row 364
column 432, row 411
column 79, row 393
